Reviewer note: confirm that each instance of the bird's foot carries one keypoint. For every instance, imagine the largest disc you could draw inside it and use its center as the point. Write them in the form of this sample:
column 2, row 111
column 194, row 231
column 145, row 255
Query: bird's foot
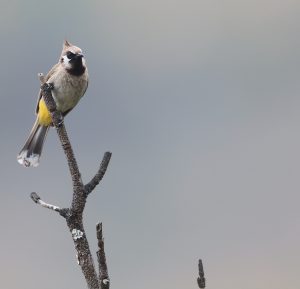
column 47, row 87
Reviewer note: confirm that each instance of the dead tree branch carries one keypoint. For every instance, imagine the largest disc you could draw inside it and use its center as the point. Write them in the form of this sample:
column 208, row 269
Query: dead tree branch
column 201, row 279
column 103, row 273
column 89, row 187
column 73, row 215
column 36, row 198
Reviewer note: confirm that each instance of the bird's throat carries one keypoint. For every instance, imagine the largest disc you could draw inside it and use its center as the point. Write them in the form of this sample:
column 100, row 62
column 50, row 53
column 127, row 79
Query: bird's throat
column 77, row 68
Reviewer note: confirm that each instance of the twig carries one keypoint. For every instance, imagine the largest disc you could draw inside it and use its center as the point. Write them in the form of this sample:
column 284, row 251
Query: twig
column 64, row 212
column 104, row 281
column 36, row 198
column 42, row 78
column 89, row 187
column 201, row 279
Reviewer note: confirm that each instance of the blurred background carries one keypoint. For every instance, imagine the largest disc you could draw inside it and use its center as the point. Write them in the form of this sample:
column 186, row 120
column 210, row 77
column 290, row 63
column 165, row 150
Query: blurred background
column 198, row 100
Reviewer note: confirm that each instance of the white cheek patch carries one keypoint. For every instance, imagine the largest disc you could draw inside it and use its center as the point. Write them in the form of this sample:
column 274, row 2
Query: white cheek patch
column 66, row 61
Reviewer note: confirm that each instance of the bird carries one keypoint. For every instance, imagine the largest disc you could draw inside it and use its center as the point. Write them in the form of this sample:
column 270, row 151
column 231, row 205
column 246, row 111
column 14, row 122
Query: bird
column 69, row 78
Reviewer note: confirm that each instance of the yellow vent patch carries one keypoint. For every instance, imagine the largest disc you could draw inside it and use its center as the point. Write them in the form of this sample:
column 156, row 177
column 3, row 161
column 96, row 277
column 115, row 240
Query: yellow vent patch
column 43, row 114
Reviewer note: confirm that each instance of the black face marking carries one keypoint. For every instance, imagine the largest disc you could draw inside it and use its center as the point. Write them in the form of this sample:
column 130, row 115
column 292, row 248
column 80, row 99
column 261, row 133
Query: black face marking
column 77, row 67
column 70, row 55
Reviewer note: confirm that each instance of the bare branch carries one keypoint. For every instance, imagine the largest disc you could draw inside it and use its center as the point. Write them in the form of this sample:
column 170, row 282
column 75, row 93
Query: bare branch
column 201, row 279
column 79, row 197
column 42, row 78
column 36, row 198
column 89, row 187
column 104, row 281
column 64, row 212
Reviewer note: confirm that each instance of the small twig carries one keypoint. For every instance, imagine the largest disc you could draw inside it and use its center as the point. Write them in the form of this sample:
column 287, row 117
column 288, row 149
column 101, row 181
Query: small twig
column 42, row 78
column 36, row 198
column 104, row 281
column 201, row 279
column 89, row 187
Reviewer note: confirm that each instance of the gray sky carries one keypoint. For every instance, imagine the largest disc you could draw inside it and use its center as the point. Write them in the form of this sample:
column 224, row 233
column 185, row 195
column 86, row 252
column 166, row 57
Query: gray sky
column 198, row 100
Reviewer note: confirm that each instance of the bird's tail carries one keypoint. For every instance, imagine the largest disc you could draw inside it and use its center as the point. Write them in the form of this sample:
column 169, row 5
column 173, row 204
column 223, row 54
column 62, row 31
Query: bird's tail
column 30, row 154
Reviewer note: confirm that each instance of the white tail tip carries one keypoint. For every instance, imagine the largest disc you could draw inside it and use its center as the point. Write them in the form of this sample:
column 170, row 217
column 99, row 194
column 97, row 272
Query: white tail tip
column 28, row 161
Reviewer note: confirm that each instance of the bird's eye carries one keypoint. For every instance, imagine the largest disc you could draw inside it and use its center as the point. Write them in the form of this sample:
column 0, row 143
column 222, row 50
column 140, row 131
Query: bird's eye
column 70, row 55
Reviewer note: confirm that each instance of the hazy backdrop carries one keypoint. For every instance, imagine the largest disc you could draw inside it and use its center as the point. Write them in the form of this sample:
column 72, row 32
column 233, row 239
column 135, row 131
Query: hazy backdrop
column 198, row 100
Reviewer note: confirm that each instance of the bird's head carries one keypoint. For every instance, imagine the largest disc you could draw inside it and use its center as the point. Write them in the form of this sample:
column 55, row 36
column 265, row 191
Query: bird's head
column 72, row 59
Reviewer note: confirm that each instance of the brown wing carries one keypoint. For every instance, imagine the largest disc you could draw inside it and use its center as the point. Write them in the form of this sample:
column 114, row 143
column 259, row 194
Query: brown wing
column 49, row 74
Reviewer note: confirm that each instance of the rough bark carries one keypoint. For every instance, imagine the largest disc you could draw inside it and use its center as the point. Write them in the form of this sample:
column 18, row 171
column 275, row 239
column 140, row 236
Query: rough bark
column 104, row 281
column 201, row 279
